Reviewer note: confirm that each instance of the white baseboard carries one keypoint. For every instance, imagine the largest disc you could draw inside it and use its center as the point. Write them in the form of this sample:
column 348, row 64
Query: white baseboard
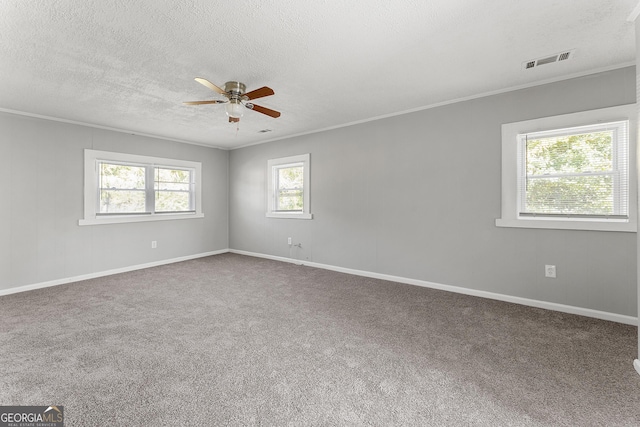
column 619, row 318
column 106, row 273
column 613, row 317
column 636, row 364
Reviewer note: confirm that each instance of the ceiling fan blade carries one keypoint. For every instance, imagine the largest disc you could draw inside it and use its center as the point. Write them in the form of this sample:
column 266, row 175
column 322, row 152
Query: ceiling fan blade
column 210, row 85
column 215, row 101
column 259, row 93
column 264, row 110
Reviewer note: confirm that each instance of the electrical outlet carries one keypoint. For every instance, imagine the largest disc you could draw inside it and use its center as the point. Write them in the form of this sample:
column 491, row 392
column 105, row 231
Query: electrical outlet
column 550, row 271
column 154, row 244
column 289, row 241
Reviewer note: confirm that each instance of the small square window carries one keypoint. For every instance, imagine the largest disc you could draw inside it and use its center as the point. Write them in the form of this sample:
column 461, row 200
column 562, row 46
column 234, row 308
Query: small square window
column 288, row 187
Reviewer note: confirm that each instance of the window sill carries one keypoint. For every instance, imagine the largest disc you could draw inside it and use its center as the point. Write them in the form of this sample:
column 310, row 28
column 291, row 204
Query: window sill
column 137, row 218
column 555, row 224
column 289, row 215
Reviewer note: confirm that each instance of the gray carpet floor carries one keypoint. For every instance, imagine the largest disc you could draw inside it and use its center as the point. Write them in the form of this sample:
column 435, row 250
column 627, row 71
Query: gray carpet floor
column 235, row 340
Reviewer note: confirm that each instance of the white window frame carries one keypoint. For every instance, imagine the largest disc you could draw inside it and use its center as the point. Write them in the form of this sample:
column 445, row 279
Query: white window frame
column 92, row 179
column 272, row 169
column 510, row 171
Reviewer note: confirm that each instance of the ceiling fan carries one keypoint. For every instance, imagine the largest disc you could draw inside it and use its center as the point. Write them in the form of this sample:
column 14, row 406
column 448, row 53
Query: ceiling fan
column 237, row 99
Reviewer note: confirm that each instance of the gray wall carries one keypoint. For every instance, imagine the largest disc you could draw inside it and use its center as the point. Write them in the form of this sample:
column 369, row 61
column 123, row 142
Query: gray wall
column 637, row 34
column 42, row 201
column 417, row 196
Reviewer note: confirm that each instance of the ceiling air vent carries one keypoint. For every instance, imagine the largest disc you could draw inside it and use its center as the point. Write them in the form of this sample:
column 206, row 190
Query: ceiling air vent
column 562, row 56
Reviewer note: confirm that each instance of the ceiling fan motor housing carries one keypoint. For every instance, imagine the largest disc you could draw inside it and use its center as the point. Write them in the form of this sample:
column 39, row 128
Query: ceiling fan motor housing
column 235, row 88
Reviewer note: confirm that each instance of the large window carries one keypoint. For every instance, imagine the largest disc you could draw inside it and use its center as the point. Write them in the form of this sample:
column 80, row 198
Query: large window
column 288, row 187
column 570, row 171
column 125, row 188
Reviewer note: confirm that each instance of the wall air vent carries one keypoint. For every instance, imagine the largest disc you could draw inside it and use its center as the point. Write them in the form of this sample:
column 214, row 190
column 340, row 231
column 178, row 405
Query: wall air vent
column 562, row 56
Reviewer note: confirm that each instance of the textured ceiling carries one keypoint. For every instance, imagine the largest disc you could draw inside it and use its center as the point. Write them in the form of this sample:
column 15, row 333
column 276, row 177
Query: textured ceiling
column 129, row 64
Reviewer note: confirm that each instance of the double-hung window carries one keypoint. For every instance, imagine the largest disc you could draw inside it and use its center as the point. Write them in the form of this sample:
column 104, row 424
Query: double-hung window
column 579, row 172
column 174, row 189
column 125, row 188
column 122, row 188
column 288, row 187
column 571, row 171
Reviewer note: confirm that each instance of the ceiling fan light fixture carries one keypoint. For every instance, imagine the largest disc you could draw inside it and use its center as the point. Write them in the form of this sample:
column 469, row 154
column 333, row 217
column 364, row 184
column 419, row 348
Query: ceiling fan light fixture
column 234, row 108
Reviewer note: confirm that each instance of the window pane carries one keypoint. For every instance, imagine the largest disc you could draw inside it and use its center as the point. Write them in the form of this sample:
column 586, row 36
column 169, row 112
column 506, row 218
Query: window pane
column 290, row 178
column 289, row 200
column 122, row 188
column 586, row 152
column 122, row 201
column 290, row 185
column 583, row 195
column 173, row 190
column 121, row 176
column 173, row 176
column 168, row 201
